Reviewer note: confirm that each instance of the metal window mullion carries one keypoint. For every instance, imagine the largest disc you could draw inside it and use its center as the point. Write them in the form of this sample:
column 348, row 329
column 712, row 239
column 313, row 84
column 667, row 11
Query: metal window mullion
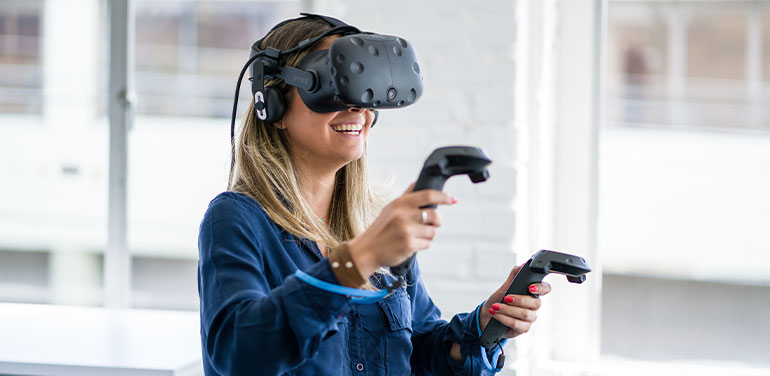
column 117, row 257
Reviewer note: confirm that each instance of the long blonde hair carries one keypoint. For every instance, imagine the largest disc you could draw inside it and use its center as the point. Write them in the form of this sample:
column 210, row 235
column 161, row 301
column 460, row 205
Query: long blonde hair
column 265, row 169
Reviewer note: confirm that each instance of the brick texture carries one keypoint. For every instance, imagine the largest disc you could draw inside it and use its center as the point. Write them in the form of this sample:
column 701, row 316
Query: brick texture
column 467, row 55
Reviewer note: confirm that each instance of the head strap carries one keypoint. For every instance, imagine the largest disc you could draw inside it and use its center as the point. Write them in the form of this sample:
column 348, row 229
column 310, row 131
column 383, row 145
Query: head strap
column 333, row 22
column 338, row 27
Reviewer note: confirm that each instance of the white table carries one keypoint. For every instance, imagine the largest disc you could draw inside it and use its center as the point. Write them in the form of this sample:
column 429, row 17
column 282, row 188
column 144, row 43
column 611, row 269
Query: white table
column 68, row 341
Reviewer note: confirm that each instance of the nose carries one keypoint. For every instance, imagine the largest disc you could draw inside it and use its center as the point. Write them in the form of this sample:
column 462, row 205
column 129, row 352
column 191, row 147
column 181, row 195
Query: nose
column 367, row 111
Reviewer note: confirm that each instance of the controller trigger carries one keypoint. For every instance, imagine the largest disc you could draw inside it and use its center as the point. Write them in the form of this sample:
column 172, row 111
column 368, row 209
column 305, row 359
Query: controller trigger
column 576, row 279
column 478, row 177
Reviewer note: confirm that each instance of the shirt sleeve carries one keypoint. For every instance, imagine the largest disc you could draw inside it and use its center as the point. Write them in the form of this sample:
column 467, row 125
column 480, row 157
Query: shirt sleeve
column 247, row 327
column 432, row 337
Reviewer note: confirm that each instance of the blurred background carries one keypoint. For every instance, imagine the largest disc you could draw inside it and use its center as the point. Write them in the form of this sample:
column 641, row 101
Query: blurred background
column 677, row 178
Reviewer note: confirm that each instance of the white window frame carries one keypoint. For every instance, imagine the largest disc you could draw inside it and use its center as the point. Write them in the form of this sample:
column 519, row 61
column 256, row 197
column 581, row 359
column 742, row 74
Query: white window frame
column 560, row 77
column 117, row 258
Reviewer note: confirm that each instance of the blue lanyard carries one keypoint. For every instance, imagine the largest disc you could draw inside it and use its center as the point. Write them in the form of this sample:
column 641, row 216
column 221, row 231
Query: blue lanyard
column 483, row 351
column 358, row 296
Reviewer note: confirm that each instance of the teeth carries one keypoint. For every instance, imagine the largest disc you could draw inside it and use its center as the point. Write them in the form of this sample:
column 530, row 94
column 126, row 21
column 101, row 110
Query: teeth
column 347, row 128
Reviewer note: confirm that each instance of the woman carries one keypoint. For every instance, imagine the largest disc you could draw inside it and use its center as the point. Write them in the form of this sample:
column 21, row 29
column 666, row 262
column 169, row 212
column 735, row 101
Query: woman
column 299, row 199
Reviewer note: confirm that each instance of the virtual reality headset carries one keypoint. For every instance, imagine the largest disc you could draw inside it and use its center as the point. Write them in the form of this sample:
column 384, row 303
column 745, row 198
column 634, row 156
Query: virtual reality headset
column 359, row 69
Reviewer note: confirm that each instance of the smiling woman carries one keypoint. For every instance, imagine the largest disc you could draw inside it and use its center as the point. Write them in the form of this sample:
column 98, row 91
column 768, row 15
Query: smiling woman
column 321, row 148
column 271, row 156
column 297, row 165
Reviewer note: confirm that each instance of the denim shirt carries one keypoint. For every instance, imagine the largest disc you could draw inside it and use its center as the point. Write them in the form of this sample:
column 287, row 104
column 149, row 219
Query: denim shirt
column 257, row 318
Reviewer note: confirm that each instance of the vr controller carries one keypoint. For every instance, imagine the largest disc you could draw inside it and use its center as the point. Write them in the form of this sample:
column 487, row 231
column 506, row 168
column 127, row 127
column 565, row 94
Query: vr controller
column 542, row 263
column 442, row 164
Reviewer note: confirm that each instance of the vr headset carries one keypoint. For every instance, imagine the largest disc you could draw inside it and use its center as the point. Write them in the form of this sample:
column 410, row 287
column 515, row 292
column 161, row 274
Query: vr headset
column 361, row 70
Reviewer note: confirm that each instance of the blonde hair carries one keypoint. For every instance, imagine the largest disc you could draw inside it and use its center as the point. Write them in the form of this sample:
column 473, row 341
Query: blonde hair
column 265, row 169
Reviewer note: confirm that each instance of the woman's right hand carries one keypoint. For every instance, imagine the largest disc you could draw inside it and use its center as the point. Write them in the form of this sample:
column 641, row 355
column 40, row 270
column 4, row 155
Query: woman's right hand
column 398, row 232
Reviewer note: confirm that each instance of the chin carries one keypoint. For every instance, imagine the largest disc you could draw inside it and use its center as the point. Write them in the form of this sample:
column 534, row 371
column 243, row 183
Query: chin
column 354, row 157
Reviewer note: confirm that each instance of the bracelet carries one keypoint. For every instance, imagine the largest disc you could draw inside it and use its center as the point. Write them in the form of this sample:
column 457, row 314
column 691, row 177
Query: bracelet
column 344, row 268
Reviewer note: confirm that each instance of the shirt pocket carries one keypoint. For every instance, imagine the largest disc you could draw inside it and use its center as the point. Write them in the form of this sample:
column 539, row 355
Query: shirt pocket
column 397, row 311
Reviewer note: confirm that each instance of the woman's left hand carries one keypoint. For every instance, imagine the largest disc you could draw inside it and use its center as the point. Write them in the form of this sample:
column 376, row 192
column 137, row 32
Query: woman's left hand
column 517, row 312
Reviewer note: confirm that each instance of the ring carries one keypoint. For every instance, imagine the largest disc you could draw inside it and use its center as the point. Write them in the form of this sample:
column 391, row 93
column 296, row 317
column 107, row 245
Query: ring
column 424, row 217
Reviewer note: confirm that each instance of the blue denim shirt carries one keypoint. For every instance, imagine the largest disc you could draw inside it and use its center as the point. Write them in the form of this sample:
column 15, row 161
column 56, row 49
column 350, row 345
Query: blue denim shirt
column 257, row 318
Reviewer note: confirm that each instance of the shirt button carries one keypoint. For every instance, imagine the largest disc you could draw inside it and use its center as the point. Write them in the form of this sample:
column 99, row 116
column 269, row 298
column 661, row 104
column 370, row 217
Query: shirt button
column 359, row 367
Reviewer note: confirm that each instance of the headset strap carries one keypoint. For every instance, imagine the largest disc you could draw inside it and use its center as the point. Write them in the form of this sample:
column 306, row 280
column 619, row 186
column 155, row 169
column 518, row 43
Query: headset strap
column 333, row 22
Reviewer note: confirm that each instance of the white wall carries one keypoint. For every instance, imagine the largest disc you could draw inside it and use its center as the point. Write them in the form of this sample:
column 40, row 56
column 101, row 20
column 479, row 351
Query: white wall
column 467, row 58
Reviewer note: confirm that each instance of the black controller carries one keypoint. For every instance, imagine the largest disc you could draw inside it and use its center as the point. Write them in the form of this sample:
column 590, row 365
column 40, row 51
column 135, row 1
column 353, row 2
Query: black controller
column 541, row 263
column 442, row 164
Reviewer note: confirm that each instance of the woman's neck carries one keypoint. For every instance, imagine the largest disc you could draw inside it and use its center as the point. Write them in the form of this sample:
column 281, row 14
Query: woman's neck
column 318, row 187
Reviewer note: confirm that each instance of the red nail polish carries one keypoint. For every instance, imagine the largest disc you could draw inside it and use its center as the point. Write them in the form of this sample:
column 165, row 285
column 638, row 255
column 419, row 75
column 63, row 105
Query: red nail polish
column 533, row 289
column 496, row 307
column 508, row 299
column 454, row 200
column 491, row 311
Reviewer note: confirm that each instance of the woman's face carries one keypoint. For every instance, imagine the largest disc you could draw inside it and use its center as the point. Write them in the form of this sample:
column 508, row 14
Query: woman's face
column 334, row 138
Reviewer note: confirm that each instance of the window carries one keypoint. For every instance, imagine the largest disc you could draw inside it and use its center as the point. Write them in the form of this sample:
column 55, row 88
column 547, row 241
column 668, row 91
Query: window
column 687, row 65
column 54, row 147
column 683, row 198
column 53, row 162
column 188, row 56
column 20, row 57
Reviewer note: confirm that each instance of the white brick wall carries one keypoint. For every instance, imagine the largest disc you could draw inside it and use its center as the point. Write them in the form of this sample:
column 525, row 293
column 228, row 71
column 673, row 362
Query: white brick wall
column 466, row 51
column 466, row 54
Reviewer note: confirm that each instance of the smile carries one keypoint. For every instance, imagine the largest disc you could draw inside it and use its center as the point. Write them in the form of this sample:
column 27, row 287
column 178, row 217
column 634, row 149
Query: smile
column 348, row 129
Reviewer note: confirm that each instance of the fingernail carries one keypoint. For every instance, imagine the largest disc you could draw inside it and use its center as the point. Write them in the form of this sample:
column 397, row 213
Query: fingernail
column 533, row 289
column 454, row 200
column 496, row 307
column 491, row 311
column 508, row 299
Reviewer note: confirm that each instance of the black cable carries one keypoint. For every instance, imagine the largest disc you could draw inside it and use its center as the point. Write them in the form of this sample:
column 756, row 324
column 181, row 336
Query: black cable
column 235, row 110
column 309, row 43
column 501, row 358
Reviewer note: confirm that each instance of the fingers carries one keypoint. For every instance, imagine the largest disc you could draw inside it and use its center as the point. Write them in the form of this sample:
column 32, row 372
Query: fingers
column 515, row 326
column 423, row 232
column 517, row 312
column 518, row 320
column 523, row 301
column 430, row 217
column 540, row 288
column 427, row 197
column 418, row 243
